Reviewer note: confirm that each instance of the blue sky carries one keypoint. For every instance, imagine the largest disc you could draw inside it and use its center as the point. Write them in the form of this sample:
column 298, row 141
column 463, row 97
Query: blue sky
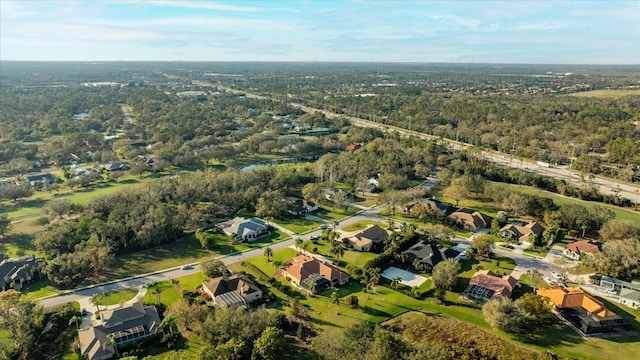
column 574, row 32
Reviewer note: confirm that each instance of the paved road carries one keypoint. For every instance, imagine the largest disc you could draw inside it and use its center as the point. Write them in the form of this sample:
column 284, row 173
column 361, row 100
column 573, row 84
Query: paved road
column 605, row 185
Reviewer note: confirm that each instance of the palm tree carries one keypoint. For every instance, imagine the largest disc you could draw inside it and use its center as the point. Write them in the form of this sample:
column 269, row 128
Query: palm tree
column 168, row 322
column 96, row 298
column 417, row 264
column 110, row 341
column 395, row 282
column 337, row 251
column 299, row 243
column 75, row 320
column 153, row 287
column 277, row 263
column 268, row 252
column 306, row 245
column 335, row 300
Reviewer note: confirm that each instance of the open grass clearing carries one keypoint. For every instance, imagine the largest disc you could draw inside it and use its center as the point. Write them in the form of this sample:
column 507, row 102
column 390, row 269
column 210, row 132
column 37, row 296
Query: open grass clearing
column 39, row 289
column 621, row 214
column 361, row 225
column 115, row 297
column 297, row 224
column 607, row 93
column 334, row 213
column 167, row 293
column 355, row 258
column 183, row 251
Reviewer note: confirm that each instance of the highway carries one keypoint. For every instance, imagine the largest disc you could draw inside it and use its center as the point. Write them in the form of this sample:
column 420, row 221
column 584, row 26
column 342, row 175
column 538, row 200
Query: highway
column 606, row 186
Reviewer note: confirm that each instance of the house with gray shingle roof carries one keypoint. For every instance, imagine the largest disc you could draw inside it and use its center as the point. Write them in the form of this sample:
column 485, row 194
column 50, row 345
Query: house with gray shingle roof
column 17, row 272
column 241, row 229
column 127, row 324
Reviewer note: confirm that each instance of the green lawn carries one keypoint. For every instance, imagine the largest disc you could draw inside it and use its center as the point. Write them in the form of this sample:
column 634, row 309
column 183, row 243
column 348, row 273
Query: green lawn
column 355, row 258
column 32, row 207
column 39, row 289
column 184, row 251
column 400, row 218
column 506, row 267
column 168, row 294
column 606, row 94
column 363, row 224
column 621, row 214
column 334, row 214
column 116, row 297
column 297, row 224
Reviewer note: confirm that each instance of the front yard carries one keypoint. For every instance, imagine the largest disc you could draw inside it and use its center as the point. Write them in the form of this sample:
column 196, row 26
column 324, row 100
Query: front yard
column 297, row 224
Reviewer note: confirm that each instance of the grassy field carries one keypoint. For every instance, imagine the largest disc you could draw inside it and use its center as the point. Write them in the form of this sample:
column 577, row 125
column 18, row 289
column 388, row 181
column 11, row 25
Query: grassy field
column 621, row 214
column 386, row 303
column 297, row 224
column 363, row 224
column 607, row 94
column 39, row 289
column 167, row 292
column 334, row 214
column 116, row 297
column 184, row 251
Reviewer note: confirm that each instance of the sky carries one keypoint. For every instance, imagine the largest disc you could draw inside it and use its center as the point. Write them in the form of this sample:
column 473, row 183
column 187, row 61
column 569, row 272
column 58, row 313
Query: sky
column 546, row 32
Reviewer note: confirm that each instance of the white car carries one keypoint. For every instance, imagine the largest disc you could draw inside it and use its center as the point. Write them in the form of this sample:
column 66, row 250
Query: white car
column 556, row 275
column 611, row 292
column 550, row 281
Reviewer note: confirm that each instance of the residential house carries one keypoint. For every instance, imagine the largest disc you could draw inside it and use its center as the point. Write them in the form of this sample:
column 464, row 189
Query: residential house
column 577, row 248
column 312, row 274
column 583, row 311
column 128, row 324
column 235, row 290
column 521, row 232
column 300, row 207
column 353, row 147
column 630, row 297
column 428, row 254
column 470, row 220
column 38, row 180
column 373, row 236
column 432, row 204
column 330, row 193
column 17, row 272
column 115, row 166
column 485, row 285
column 241, row 229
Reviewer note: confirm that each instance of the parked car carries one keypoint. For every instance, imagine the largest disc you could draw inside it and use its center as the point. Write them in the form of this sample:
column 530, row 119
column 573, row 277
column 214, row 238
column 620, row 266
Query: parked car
column 323, row 226
column 83, row 312
column 611, row 292
column 550, row 281
column 556, row 275
column 314, row 237
column 186, row 267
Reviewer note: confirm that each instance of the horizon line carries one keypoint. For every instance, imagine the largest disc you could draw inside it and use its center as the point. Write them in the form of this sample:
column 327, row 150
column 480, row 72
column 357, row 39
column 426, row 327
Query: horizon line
column 320, row 62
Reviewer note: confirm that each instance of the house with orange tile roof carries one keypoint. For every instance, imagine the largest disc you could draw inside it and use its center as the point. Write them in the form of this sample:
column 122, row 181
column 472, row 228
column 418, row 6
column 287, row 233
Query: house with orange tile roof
column 577, row 248
column 485, row 285
column 583, row 311
column 470, row 220
column 312, row 274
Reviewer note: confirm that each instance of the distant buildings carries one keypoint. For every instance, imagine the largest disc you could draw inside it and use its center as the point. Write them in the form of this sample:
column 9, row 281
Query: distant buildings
column 191, row 94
